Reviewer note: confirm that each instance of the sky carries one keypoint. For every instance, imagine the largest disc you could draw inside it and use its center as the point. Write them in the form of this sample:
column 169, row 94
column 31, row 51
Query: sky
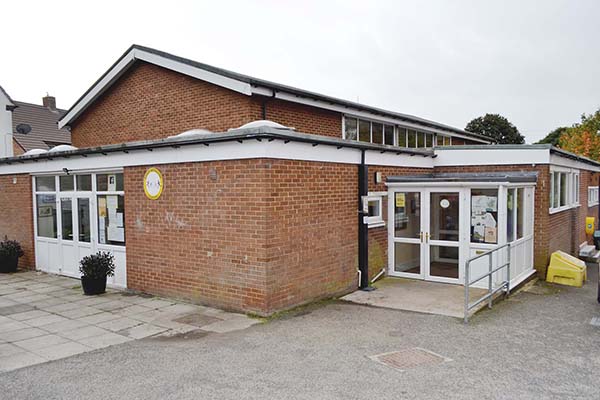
column 535, row 62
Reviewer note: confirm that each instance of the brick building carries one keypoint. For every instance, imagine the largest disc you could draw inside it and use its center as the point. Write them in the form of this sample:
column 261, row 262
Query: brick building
column 259, row 216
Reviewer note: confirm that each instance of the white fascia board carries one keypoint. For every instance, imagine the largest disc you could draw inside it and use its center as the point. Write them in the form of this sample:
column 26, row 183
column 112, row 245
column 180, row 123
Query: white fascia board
column 558, row 160
column 249, row 149
column 98, row 88
column 195, row 72
column 490, row 156
column 355, row 113
column 177, row 66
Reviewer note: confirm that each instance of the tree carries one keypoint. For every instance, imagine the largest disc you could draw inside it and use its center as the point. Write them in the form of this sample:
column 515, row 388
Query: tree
column 497, row 128
column 583, row 138
column 554, row 136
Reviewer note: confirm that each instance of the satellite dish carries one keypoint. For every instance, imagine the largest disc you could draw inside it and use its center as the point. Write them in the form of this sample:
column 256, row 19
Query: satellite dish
column 23, row 129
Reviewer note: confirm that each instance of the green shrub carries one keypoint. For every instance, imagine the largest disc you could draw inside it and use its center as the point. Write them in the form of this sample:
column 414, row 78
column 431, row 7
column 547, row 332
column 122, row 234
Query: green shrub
column 97, row 266
column 10, row 249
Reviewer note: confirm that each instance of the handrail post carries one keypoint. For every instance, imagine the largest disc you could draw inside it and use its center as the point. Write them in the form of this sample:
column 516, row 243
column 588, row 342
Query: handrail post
column 490, row 262
column 508, row 271
column 467, row 280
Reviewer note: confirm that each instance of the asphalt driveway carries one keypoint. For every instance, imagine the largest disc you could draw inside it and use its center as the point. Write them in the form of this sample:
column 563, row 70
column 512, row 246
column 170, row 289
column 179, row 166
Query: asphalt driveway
column 539, row 344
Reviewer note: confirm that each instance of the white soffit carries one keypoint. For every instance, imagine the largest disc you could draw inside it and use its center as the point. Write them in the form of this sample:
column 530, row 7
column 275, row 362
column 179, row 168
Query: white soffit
column 490, row 156
column 557, row 159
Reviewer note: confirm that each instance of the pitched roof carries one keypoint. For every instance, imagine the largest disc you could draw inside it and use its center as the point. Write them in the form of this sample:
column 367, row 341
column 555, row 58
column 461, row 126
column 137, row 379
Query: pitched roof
column 7, row 95
column 249, row 86
column 44, row 132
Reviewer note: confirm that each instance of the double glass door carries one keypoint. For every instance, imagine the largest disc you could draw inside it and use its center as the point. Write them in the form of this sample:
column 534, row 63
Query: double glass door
column 425, row 234
column 75, row 231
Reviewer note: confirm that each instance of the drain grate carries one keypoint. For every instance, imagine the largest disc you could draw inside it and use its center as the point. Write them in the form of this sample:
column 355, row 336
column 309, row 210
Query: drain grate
column 409, row 358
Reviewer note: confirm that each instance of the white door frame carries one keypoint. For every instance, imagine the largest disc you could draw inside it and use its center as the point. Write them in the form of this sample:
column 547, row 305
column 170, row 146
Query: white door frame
column 424, row 241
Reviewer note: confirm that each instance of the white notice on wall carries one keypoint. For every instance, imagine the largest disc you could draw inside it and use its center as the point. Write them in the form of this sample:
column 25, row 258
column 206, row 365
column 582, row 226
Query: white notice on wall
column 112, row 183
column 119, row 219
column 102, row 230
column 116, row 234
column 488, row 220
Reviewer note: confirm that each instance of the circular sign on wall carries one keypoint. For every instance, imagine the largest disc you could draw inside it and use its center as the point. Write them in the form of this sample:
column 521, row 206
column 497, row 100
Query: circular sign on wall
column 153, row 183
column 444, row 203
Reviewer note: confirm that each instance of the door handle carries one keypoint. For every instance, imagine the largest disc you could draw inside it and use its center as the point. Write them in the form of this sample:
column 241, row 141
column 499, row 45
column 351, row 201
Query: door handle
column 427, row 237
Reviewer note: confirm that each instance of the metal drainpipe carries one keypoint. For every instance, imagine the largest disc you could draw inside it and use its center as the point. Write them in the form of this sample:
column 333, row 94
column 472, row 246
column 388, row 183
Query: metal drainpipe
column 363, row 231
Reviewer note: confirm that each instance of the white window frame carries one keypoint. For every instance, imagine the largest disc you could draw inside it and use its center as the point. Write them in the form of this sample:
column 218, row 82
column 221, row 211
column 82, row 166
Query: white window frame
column 395, row 127
column 593, row 192
column 572, row 190
column 376, row 221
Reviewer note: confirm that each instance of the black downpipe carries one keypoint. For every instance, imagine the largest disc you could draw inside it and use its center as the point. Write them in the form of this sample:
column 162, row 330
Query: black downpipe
column 363, row 231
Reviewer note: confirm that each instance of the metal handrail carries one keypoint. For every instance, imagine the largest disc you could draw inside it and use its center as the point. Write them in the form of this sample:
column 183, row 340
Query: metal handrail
column 505, row 285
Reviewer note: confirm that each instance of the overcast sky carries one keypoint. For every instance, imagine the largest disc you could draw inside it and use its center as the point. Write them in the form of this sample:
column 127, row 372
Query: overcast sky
column 535, row 62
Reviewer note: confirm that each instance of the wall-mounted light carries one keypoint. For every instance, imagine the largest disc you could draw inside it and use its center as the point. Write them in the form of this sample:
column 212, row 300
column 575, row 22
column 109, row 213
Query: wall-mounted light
column 66, row 171
column 14, row 180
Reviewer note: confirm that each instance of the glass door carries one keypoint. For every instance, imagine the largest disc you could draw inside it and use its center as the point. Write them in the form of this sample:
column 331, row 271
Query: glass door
column 442, row 236
column 406, row 234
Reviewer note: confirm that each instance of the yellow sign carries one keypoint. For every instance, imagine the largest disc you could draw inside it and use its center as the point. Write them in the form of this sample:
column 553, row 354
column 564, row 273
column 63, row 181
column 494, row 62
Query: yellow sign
column 400, row 200
column 153, row 183
column 589, row 225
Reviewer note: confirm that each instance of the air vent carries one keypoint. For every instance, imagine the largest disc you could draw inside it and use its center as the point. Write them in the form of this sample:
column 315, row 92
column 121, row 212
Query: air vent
column 23, row 129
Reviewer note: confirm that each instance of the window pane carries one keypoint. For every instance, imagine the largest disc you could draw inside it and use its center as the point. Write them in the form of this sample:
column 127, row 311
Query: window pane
column 407, row 214
column 66, row 183
column 84, row 182
column 551, row 190
column 401, row 135
column 350, row 125
column 46, row 215
column 83, row 212
column 484, row 215
column 439, row 140
column 407, row 258
column 443, row 261
column 66, row 212
column 412, row 138
column 109, row 182
column 389, row 134
column 421, row 139
column 374, row 210
column 520, row 212
column 377, row 133
column 45, row 184
column 444, row 216
column 364, row 134
column 556, row 191
column 563, row 189
column 428, row 140
column 510, row 215
column 111, row 219
column 447, row 140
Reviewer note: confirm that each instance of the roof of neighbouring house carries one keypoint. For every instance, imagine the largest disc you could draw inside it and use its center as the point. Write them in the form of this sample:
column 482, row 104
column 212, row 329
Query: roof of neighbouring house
column 44, row 133
column 246, row 85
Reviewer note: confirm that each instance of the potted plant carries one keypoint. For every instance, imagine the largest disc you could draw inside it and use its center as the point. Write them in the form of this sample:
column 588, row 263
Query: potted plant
column 10, row 252
column 94, row 270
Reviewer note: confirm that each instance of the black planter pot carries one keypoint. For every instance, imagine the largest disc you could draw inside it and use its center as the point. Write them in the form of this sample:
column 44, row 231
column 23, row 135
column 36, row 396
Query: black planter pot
column 93, row 286
column 9, row 264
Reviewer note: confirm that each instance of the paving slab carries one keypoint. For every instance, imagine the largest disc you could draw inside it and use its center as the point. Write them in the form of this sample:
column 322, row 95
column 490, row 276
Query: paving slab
column 230, row 325
column 61, row 350
column 20, row 360
column 21, row 334
column 8, row 349
column 142, row 331
column 29, row 315
column 118, row 324
column 40, row 342
column 83, row 332
column 105, row 340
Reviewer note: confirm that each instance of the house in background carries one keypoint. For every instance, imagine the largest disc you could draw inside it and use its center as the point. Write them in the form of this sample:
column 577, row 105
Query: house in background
column 25, row 126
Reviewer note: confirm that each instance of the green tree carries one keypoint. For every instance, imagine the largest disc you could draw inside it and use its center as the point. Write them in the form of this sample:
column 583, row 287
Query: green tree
column 554, row 136
column 497, row 128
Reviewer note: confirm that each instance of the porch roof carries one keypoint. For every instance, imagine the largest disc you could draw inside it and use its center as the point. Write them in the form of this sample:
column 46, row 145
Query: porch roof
column 509, row 176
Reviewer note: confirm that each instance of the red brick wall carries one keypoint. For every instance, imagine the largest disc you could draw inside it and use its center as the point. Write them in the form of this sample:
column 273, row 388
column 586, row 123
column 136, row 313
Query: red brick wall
column 17, row 150
column 204, row 238
column 252, row 235
column 16, row 215
column 151, row 102
column 304, row 118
